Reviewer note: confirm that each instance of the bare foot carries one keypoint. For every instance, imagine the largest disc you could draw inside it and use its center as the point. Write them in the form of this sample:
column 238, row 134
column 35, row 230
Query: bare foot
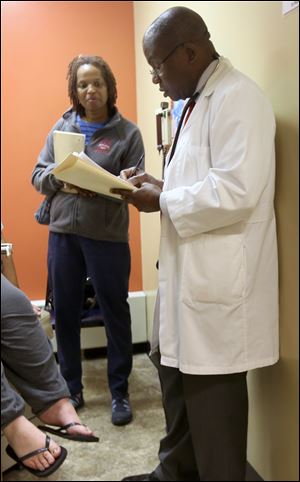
column 61, row 413
column 24, row 437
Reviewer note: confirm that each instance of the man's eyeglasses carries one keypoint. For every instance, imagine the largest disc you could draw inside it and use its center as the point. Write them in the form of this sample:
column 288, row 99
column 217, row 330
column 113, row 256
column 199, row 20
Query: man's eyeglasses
column 156, row 71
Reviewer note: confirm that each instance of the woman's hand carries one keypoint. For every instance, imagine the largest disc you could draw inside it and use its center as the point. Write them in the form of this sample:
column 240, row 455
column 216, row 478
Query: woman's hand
column 70, row 188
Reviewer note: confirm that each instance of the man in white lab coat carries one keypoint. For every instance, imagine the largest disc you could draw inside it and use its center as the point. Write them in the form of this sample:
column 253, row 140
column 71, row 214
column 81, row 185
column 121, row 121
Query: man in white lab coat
column 217, row 309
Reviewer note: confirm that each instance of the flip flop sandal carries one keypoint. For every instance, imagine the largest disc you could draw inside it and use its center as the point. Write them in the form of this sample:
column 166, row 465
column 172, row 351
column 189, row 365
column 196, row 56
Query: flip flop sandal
column 62, row 432
column 39, row 473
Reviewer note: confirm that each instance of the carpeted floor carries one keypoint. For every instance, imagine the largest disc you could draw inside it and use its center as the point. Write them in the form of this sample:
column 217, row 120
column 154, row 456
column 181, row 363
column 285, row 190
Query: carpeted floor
column 122, row 451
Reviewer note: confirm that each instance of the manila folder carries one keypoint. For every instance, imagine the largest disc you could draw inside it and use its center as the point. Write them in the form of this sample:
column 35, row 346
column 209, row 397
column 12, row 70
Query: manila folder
column 81, row 171
column 65, row 143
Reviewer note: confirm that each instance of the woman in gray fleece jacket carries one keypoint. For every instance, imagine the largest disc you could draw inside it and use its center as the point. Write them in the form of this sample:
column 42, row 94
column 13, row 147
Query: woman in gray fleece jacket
column 88, row 232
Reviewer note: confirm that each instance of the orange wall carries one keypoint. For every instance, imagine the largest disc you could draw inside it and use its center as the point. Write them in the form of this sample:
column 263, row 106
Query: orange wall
column 39, row 39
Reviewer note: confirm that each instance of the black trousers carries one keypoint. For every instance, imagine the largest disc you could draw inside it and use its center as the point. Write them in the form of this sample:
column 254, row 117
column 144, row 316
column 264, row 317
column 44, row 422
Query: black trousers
column 71, row 258
column 207, row 420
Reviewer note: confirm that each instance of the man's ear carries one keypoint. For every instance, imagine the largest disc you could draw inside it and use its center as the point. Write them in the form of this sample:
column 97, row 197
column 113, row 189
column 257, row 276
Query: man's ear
column 191, row 51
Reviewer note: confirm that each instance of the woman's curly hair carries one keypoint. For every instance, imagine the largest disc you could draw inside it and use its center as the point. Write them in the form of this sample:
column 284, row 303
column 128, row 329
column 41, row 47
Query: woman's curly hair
column 107, row 74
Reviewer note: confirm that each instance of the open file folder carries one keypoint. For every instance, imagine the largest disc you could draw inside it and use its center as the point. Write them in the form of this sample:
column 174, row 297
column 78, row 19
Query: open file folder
column 64, row 143
column 81, row 171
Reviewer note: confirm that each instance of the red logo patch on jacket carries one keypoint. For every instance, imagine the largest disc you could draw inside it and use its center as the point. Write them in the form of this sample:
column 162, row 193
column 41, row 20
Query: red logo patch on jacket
column 104, row 145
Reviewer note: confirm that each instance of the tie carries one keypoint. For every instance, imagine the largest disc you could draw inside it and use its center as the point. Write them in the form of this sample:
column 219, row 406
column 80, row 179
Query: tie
column 187, row 109
column 188, row 112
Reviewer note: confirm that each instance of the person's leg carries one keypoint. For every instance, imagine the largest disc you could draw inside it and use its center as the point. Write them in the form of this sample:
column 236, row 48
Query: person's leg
column 108, row 264
column 24, row 437
column 177, row 460
column 63, row 416
column 217, row 409
column 12, row 405
column 30, row 366
column 67, row 275
column 26, row 352
column 176, row 454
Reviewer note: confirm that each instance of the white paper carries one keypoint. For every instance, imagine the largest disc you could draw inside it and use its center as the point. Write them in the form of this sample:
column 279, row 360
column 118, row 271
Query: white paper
column 288, row 6
column 64, row 143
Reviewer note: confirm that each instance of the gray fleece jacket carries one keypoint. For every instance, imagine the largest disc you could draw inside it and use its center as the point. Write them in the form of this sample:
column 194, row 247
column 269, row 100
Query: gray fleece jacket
column 118, row 145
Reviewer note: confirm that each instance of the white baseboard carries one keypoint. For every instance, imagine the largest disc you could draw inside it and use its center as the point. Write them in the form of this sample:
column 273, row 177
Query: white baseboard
column 150, row 303
column 39, row 303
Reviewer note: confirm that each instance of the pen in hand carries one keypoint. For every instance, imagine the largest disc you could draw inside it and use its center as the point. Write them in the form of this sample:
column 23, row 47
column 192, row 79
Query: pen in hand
column 134, row 171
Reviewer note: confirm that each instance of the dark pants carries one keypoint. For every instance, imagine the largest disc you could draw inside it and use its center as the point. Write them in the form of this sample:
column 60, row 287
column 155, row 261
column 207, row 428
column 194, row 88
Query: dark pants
column 71, row 259
column 207, row 418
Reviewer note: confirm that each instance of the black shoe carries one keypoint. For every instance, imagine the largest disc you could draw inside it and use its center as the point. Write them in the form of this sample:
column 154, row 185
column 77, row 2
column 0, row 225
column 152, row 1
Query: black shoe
column 142, row 477
column 121, row 411
column 77, row 401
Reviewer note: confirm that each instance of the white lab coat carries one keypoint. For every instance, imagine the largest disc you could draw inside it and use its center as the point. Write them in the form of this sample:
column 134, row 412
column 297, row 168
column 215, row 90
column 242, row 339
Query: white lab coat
column 218, row 274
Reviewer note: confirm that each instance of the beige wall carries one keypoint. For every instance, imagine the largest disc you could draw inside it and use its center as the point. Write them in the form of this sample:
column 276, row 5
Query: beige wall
column 262, row 43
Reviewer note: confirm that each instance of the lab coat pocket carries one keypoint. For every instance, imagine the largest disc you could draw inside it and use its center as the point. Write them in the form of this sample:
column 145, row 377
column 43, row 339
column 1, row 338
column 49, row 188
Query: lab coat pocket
column 214, row 269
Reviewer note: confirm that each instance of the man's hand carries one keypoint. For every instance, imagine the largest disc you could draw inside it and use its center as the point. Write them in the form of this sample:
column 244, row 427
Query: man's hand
column 146, row 195
column 131, row 172
column 140, row 178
